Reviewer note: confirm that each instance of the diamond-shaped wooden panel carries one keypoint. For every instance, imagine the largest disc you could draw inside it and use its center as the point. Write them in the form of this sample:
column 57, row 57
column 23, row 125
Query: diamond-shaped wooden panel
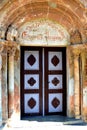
column 31, row 60
column 31, row 103
column 55, row 81
column 55, row 60
column 31, row 81
column 55, row 102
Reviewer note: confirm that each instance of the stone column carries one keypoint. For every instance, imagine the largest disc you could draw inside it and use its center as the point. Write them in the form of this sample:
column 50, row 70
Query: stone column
column 0, row 88
column 84, row 85
column 4, row 86
column 76, row 84
column 11, row 52
column 1, row 49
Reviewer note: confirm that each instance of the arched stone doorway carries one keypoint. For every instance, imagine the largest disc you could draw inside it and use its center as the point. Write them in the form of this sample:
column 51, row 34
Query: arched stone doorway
column 70, row 16
column 43, row 89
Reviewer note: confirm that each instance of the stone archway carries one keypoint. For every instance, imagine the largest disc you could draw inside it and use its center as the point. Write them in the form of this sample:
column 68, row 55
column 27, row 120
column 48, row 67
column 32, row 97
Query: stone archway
column 42, row 33
column 70, row 15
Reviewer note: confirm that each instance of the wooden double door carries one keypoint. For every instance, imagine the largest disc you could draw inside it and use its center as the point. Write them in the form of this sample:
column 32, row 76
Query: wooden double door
column 43, row 81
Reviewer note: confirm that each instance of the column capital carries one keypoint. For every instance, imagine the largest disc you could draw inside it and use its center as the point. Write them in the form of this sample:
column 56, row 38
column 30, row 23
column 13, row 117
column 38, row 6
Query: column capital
column 2, row 44
column 11, row 47
column 8, row 47
column 76, row 53
column 1, row 48
column 11, row 50
column 77, row 49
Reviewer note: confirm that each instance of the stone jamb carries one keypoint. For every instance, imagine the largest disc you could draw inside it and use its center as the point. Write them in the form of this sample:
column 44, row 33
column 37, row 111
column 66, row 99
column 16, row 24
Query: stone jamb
column 76, row 51
column 9, row 48
column 1, row 49
column 4, row 86
column 80, row 50
column 70, row 83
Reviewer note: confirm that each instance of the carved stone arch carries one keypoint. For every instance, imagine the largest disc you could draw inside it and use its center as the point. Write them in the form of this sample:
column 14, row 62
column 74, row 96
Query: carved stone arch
column 75, row 37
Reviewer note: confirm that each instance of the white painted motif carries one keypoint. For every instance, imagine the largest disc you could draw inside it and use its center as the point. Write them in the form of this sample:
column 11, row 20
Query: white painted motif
column 50, row 64
column 60, row 107
column 35, row 66
column 51, row 85
column 27, row 85
column 27, row 97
